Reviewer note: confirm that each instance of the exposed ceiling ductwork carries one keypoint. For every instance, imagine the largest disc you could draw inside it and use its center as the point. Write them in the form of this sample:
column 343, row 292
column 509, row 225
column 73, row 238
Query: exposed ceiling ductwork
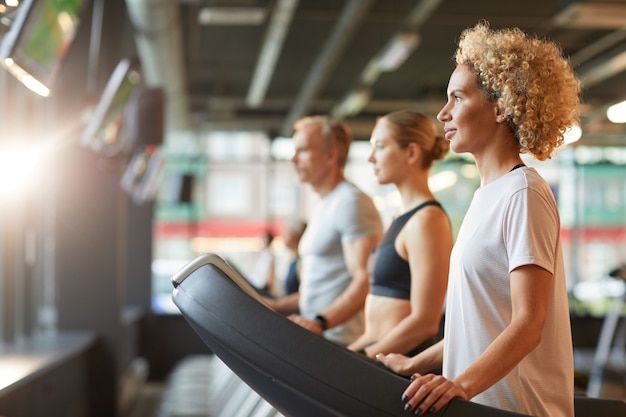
column 304, row 56
column 159, row 42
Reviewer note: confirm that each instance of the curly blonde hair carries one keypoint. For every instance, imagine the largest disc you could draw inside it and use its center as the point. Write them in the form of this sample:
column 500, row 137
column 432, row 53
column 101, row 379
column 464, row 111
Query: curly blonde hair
column 533, row 84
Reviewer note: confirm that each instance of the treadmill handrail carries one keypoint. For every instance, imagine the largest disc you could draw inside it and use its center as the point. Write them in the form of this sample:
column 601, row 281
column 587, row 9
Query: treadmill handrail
column 220, row 263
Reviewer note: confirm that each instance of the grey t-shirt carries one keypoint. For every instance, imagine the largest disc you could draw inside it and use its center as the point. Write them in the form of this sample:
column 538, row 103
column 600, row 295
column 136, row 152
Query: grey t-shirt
column 345, row 214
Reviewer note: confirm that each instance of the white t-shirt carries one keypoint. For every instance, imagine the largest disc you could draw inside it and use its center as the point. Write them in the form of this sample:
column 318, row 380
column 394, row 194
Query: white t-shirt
column 512, row 221
column 345, row 214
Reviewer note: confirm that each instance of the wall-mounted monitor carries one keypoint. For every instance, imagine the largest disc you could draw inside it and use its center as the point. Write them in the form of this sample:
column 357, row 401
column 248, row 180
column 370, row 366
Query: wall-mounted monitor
column 144, row 174
column 144, row 117
column 38, row 40
column 105, row 132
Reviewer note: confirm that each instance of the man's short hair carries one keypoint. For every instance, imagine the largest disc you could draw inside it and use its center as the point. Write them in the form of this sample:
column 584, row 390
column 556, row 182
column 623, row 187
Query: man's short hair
column 336, row 133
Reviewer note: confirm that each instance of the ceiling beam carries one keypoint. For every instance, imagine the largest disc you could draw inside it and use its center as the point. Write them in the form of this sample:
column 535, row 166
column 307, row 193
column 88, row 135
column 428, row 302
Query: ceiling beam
column 603, row 68
column 406, row 39
column 361, row 127
column 351, row 18
column 270, row 51
column 594, row 49
column 377, row 106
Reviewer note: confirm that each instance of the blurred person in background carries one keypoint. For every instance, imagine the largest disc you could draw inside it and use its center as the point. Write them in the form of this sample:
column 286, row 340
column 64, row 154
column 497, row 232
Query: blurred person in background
column 263, row 275
column 291, row 236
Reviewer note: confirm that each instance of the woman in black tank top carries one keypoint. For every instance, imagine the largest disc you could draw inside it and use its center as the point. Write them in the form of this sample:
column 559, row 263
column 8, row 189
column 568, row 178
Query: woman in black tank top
column 409, row 268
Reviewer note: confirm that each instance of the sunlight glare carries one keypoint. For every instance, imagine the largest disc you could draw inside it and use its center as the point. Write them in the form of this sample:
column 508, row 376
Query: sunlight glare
column 18, row 165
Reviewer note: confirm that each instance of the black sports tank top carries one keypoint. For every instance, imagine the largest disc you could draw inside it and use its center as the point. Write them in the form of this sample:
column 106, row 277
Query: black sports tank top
column 391, row 275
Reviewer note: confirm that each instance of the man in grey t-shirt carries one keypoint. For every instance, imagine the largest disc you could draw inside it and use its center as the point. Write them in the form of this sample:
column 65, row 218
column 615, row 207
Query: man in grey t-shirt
column 339, row 238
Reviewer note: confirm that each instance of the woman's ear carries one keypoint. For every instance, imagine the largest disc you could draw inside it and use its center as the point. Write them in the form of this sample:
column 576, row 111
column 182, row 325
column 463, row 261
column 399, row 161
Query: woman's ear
column 414, row 152
column 500, row 116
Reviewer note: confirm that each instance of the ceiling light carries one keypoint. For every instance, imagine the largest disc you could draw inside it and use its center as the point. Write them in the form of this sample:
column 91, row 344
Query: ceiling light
column 397, row 51
column 352, row 104
column 617, row 112
column 231, row 16
column 592, row 15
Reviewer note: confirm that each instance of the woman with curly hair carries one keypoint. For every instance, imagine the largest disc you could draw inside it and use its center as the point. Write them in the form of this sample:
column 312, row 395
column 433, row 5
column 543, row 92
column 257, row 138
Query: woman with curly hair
column 507, row 339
